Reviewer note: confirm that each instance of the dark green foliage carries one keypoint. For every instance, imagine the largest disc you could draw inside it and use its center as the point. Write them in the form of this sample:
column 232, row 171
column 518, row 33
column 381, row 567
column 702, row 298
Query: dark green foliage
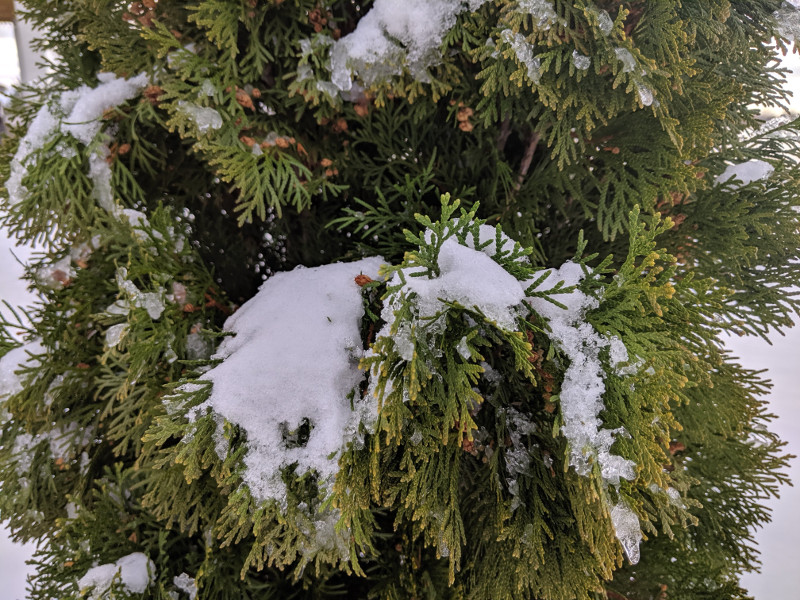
column 110, row 449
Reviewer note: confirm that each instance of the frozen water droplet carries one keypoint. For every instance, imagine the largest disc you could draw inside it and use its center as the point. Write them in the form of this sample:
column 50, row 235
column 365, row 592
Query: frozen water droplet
column 580, row 61
column 114, row 334
column 645, row 94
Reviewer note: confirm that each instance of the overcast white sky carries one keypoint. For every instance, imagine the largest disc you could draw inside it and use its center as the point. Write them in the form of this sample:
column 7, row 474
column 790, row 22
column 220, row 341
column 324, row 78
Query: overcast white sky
column 780, row 577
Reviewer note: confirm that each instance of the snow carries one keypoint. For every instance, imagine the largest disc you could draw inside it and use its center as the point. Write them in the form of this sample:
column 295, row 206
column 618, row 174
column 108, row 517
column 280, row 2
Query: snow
column 100, row 174
column 326, row 537
column 580, row 61
column 56, row 274
column 197, row 348
column 517, row 456
column 626, row 58
column 207, row 88
column 152, row 302
column 77, row 113
column 63, row 442
column 604, row 21
column 294, row 361
column 524, row 53
column 186, row 584
column 114, row 334
column 39, row 132
column 135, row 572
column 747, row 172
column 13, row 361
column 393, row 35
column 295, row 358
column 542, row 11
column 645, row 94
column 471, row 278
column 581, row 396
column 583, row 387
column 84, row 121
column 629, row 532
column 204, row 118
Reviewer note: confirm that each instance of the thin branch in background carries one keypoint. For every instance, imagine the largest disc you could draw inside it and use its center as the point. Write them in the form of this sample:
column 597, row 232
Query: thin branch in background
column 525, row 165
column 505, row 131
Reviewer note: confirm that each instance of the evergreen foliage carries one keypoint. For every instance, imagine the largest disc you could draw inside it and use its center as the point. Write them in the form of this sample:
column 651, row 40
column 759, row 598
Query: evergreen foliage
column 569, row 427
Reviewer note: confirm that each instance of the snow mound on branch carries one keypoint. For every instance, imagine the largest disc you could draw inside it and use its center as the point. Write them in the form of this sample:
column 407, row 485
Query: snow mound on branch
column 581, row 397
column 747, row 172
column 135, row 572
column 89, row 104
column 77, row 113
column 469, row 277
column 294, row 361
column 13, row 361
column 393, row 35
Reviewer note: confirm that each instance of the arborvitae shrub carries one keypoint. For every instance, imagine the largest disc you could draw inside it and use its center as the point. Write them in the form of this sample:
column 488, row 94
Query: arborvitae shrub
column 500, row 245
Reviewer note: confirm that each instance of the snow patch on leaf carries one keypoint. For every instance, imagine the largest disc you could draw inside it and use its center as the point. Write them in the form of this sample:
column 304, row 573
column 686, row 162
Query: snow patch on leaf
column 581, row 396
column 135, row 572
column 292, row 365
column 393, row 36
column 746, row 172
column 77, row 113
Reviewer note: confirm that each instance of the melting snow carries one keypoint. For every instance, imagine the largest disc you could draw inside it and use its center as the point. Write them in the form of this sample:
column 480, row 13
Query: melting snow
column 626, row 58
column 135, row 572
column 629, row 532
column 542, row 12
column 581, row 397
column 77, row 113
column 645, row 94
column 294, row 358
column 204, row 118
column 580, row 61
column 186, row 584
column 393, row 35
column 747, row 172
column 524, row 52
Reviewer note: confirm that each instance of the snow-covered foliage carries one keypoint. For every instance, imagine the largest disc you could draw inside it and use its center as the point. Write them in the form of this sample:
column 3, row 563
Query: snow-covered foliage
column 12, row 362
column 747, row 172
column 300, row 414
column 393, row 36
column 288, row 375
column 76, row 113
column 134, row 572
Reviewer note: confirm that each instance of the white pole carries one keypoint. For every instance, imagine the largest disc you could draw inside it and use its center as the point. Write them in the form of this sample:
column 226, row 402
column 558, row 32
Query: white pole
column 28, row 58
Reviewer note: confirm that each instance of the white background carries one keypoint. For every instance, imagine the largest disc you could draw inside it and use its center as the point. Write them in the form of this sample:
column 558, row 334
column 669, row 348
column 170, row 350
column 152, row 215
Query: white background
column 780, row 576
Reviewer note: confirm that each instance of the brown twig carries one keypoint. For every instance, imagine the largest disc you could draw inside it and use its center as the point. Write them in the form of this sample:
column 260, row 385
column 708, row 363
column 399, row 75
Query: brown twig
column 527, row 158
column 505, row 131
